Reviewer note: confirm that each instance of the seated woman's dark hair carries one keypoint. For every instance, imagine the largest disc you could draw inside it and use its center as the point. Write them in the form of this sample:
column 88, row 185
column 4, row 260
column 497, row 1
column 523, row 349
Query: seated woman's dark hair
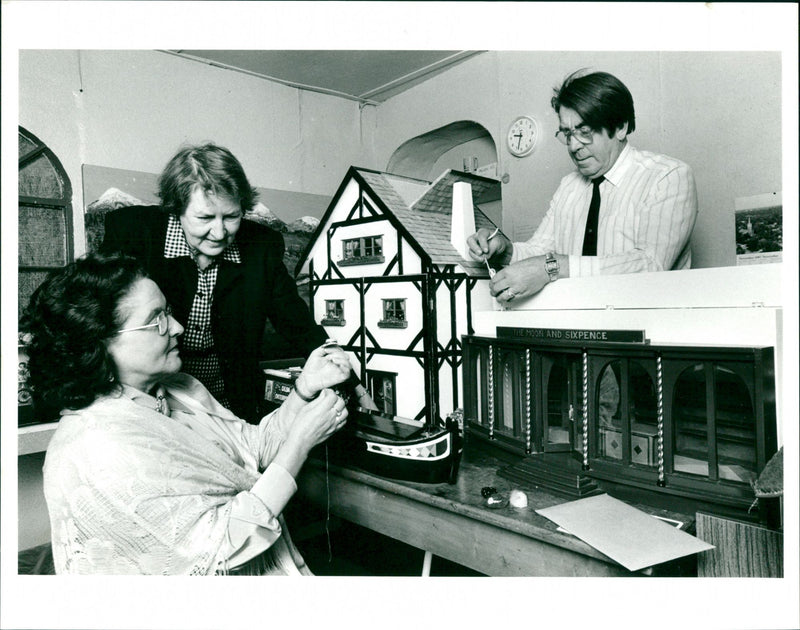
column 66, row 325
column 211, row 168
column 600, row 99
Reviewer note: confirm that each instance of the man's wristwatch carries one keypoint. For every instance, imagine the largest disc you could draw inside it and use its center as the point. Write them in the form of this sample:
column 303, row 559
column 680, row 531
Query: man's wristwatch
column 551, row 266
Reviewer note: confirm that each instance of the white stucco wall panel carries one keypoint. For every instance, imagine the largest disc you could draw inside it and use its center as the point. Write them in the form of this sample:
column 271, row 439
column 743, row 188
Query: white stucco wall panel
column 397, row 338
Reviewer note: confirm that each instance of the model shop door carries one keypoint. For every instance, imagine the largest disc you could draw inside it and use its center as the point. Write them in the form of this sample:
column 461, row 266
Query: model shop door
column 563, row 407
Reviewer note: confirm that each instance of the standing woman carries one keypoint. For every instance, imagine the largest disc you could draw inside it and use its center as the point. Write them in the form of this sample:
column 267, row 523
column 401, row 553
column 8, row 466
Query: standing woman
column 222, row 276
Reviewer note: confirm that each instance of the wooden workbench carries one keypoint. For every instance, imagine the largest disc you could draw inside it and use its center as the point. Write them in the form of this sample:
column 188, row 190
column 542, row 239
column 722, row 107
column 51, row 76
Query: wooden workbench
column 453, row 521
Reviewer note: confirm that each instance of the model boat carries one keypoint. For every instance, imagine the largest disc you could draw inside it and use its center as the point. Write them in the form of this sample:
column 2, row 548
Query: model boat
column 399, row 448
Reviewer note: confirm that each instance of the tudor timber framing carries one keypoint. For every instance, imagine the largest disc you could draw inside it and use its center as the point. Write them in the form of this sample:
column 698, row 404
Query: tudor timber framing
column 436, row 353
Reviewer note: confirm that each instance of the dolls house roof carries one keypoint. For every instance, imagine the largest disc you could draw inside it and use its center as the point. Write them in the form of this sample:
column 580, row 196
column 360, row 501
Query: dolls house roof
column 422, row 210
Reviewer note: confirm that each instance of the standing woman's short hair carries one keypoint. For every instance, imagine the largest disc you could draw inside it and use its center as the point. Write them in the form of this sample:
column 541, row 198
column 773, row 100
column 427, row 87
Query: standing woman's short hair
column 599, row 98
column 66, row 325
column 213, row 169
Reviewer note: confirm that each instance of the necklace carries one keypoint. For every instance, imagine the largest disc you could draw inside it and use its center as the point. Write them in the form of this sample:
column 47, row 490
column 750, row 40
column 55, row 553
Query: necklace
column 163, row 407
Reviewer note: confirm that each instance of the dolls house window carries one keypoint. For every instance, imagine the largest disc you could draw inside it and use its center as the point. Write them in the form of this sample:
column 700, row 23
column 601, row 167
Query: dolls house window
column 394, row 313
column 382, row 388
column 480, row 377
column 334, row 313
column 362, row 251
column 508, row 392
column 626, row 410
column 714, row 424
column 511, row 392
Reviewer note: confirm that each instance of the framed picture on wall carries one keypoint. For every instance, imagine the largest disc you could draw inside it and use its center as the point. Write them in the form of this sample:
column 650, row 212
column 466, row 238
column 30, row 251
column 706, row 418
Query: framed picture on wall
column 759, row 229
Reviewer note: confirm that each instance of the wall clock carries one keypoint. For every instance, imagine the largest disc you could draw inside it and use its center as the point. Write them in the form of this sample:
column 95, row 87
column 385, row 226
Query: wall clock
column 522, row 136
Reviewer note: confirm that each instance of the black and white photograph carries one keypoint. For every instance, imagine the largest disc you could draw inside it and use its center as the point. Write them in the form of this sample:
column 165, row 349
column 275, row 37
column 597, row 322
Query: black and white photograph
column 759, row 229
column 391, row 297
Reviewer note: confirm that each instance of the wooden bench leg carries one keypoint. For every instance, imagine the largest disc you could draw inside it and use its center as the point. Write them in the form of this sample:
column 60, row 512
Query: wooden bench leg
column 426, row 564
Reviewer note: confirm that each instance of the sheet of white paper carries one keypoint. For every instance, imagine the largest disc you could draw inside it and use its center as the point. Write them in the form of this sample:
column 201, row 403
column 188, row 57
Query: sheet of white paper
column 623, row 533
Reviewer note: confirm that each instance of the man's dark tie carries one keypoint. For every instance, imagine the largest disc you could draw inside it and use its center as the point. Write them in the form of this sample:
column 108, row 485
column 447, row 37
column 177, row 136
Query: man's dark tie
column 590, row 236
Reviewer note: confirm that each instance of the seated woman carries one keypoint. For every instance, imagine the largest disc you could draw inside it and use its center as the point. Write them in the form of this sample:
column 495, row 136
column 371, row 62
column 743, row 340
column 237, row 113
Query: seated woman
column 147, row 473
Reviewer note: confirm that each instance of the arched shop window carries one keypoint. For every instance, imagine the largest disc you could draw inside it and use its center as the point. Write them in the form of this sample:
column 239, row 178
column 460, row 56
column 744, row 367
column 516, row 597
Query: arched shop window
column 45, row 215
column 716, row 438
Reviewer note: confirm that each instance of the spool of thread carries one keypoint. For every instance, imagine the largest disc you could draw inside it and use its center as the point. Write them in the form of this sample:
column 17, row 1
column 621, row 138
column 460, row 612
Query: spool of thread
column 518, row 499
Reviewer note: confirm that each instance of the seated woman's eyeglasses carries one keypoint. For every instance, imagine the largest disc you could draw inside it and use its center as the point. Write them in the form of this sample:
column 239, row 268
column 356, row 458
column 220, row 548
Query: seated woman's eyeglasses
column 162, row 323
column 583, row 134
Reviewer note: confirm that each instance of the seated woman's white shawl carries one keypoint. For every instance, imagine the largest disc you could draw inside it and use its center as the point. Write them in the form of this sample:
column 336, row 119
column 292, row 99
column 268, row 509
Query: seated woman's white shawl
column 132, row 491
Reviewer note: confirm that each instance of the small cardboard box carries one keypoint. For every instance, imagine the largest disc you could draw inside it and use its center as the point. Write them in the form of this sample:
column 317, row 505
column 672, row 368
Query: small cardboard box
column 279, row 384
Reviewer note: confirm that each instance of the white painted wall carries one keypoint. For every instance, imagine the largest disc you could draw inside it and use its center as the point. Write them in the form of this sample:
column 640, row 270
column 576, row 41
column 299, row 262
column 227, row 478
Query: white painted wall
column 34, row 526
column 132, row 109
column 718, row 111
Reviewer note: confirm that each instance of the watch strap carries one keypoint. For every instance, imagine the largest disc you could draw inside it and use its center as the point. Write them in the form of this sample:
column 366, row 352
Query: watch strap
column 551, row 266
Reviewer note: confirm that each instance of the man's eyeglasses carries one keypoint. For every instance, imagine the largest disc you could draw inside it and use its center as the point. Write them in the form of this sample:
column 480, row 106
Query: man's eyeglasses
column 161, row 323
column 583, row 134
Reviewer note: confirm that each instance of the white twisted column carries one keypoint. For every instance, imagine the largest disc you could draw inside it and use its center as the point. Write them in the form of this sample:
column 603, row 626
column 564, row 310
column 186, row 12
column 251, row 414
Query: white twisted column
column 660, row 417
column 585, row 410
column 490, row 393
column 527, row 400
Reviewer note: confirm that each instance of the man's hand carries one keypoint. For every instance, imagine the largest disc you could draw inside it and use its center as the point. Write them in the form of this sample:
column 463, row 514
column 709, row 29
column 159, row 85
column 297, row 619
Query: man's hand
column 482, row 247
column 520, row 280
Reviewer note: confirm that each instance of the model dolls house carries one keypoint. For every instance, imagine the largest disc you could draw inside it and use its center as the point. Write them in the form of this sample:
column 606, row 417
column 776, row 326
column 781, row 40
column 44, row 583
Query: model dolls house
column 391, row 281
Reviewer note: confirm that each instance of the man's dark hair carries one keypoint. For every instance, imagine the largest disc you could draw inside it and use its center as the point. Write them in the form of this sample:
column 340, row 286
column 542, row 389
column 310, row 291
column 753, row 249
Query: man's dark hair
column 65, row 327
column 211, row 168
column 600, row 99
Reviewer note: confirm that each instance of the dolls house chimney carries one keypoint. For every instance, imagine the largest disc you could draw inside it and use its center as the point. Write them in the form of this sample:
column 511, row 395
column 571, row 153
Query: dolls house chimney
column 463, row 218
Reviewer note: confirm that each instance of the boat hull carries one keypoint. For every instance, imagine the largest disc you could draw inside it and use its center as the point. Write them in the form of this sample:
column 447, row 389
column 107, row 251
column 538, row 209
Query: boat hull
column 410, row 454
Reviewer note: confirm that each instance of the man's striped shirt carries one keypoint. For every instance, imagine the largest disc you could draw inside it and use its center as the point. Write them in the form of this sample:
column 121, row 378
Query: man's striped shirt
column 647, row 213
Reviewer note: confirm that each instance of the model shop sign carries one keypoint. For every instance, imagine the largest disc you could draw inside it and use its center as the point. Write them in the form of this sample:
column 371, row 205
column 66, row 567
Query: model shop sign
column 573, row 335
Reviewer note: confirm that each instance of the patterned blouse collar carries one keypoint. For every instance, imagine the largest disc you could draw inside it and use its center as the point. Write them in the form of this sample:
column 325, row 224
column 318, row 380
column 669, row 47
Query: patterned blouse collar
column 176, row 246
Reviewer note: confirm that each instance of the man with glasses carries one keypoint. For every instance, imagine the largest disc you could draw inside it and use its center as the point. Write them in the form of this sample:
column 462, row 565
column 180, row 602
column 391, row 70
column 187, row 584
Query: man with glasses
column 622, row 211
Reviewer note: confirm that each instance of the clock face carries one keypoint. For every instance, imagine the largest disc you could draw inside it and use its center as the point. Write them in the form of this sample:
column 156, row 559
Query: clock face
column 522, row 136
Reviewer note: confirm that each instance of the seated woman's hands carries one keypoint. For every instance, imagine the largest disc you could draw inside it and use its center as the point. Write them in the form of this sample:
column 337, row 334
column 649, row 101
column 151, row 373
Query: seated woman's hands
column 326, row 366
column 319, row 419
column 312, row 425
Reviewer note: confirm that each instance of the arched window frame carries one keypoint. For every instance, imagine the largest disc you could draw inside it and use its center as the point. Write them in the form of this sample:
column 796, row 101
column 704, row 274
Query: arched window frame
column 56, row 213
